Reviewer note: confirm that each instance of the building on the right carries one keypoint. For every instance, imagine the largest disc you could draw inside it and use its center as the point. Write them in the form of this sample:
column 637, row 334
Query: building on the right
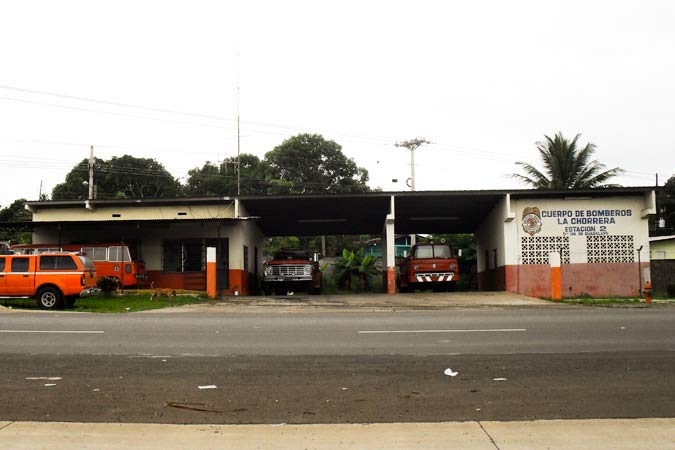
column 598, row 240
column 662, row 263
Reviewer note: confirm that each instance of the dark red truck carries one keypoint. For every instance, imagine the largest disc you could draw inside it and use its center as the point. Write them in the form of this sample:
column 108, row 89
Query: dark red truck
column 429, row 266
column 291, row 270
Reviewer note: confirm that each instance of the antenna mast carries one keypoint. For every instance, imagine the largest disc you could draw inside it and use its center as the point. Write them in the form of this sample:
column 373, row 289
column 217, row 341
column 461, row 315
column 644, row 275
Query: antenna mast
column 238, row 133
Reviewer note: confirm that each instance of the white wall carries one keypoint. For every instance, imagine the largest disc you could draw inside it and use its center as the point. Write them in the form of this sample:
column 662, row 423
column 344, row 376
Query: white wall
column 172, row 212
column 490, row 236
column 248, row 233
column 573, row 219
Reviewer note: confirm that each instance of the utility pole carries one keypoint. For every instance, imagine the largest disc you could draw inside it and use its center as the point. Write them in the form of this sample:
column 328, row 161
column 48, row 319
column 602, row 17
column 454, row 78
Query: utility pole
column 412, row 145
column 91, row 173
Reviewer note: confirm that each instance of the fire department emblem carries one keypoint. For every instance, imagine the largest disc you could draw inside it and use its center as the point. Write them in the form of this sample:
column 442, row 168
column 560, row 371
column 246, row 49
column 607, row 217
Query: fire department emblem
column 531, row 220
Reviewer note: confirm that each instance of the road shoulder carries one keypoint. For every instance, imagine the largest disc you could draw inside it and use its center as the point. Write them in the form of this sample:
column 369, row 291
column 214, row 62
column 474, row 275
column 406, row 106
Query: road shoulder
column 550, row 434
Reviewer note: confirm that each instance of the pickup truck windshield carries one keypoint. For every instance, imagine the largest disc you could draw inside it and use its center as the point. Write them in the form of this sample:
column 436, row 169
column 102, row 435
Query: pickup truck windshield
column 286, row 255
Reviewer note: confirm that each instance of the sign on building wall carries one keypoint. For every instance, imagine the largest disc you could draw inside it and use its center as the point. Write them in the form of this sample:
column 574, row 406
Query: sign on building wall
column 608, row 230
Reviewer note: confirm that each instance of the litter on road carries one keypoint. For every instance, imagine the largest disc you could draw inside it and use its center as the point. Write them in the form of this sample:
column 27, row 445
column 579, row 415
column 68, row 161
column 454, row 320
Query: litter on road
column 191, row 406
column 499, row 379
column 210, row 386
column 450, row 373
column 44, row 378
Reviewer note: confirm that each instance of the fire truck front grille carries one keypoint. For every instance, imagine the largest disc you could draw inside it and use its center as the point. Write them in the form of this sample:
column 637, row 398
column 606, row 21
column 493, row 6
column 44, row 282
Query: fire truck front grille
column 288, row 270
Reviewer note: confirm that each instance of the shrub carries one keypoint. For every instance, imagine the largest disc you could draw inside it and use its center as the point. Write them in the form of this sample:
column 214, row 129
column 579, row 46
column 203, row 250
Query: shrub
column 107, row 285
column 355, row 271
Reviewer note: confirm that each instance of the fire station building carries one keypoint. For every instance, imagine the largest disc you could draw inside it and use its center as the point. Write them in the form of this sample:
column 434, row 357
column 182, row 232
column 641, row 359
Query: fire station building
column 598, row 238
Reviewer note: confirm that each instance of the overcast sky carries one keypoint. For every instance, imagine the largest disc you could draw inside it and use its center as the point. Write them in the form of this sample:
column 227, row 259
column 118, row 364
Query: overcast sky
column 482, row 80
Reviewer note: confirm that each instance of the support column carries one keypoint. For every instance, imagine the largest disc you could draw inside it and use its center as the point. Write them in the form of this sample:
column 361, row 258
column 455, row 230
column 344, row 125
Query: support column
column 211, row 272
column 556, row 276
column 389, row 251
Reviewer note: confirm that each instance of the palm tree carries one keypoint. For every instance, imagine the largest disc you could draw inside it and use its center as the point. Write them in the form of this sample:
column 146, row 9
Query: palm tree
column 566, row 166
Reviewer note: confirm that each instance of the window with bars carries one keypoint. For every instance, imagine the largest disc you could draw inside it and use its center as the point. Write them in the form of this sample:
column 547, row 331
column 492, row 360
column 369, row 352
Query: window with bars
column 536, row 249
column 610, row 249
column 188, row 255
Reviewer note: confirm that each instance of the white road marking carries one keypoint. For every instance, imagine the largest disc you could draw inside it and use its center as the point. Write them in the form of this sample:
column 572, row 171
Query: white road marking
column 53, row 331
column 492, row 330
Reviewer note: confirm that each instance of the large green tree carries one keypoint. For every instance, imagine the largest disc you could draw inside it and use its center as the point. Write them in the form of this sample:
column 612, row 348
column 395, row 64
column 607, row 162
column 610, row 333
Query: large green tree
column 221, row 179
column 566, row 166
column 120, row 177
column 308, row 164
column 665, row 205
column 15, row 212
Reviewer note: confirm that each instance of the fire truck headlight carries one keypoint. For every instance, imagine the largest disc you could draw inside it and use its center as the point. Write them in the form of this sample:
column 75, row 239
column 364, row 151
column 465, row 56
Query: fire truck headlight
column 308, row 270
column 415, row 267
column 268, row 271
column 453, row 266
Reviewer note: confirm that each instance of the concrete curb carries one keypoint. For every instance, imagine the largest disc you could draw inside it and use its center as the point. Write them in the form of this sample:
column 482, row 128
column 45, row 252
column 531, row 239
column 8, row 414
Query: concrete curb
column 550, row 434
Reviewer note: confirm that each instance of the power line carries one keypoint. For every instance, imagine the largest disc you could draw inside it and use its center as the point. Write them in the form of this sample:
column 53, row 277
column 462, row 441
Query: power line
column 113, row 103
column 363, row 137
column 112, row 113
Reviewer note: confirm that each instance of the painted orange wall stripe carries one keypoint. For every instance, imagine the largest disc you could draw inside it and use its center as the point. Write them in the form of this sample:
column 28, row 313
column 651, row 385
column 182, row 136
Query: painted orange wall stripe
column 556, row 276
column 211, row 272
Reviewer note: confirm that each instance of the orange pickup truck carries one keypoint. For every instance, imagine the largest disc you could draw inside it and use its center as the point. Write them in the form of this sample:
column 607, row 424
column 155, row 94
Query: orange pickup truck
column 55, row 280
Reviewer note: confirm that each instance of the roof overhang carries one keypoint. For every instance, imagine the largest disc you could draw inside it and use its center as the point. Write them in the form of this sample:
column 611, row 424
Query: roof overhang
column 362, row 213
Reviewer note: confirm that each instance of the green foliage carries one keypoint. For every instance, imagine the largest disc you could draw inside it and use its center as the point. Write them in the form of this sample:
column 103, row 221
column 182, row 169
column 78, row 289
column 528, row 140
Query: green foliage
column 119, row 178
column 566, row 166
column 665, row 206
column 308, row 163
column 16, row 212
column 107, row 285
column 355, row 271
column 275, row 244
column 334, row 244
column 221, row 180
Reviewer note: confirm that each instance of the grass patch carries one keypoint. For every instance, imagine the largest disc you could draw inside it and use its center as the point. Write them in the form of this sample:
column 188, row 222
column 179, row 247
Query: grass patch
column 113, row 304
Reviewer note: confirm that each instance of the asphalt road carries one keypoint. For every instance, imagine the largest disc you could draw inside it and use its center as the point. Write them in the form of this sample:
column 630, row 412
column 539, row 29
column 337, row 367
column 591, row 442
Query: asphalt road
column 512, row 364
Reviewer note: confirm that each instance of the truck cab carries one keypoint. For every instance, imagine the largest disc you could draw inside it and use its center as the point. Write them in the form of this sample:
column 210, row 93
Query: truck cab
column 429, row 266
column 291, row 270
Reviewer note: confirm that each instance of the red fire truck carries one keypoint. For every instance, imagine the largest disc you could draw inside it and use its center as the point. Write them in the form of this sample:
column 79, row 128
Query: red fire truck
column 429, row 266
column 111, row 260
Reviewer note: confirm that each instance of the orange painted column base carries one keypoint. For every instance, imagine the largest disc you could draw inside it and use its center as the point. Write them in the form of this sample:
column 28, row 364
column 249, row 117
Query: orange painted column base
column 238, row 282
column 211, row 272
column 391, row 280
column 211, row 280
column 556, row 283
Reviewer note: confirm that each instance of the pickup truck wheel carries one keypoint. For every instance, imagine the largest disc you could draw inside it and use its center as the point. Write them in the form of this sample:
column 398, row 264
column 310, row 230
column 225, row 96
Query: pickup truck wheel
column 50, row 298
